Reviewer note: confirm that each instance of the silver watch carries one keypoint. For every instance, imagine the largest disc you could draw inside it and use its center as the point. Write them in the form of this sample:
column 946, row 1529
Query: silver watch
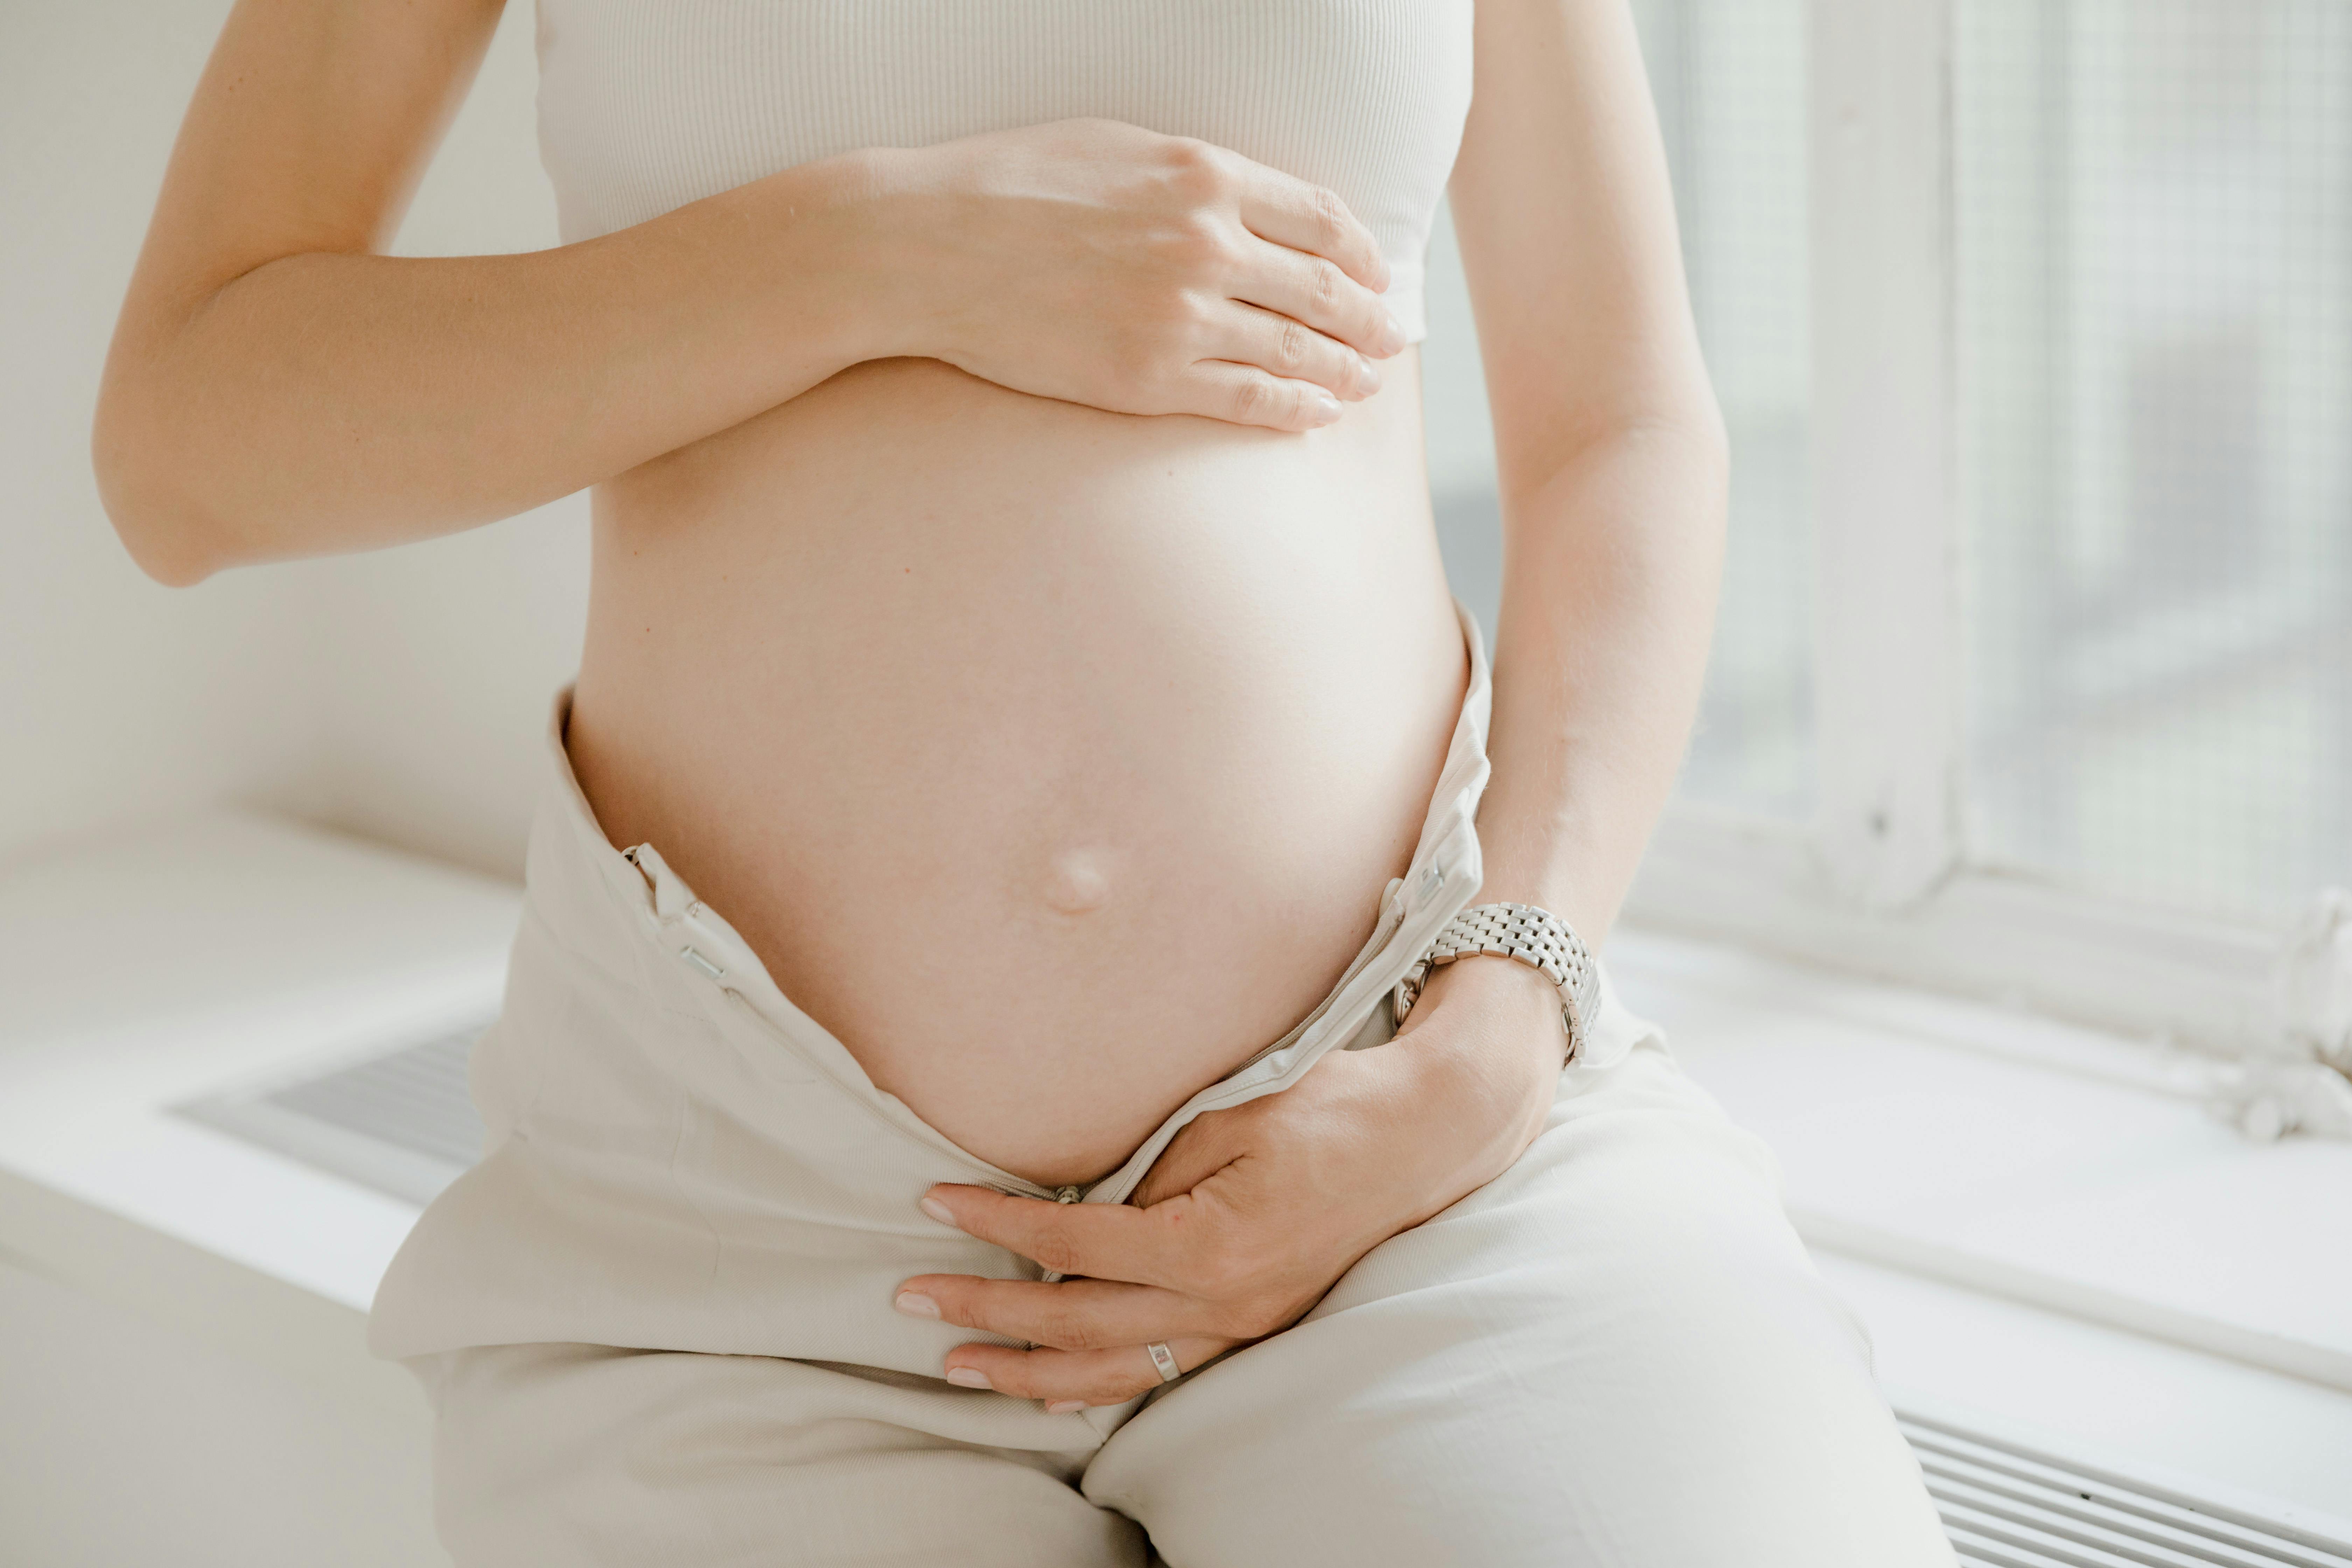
column 1536, row 937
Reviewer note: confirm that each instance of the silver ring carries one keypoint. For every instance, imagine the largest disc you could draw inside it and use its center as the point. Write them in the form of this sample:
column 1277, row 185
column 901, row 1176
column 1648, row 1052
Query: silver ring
column 1164, row 1359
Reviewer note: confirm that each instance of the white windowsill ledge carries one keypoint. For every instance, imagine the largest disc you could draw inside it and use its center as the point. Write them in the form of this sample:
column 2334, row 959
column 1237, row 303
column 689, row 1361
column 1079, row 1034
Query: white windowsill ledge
column 2030, row 1221
column 2015, row 1156
column 1998, row 1221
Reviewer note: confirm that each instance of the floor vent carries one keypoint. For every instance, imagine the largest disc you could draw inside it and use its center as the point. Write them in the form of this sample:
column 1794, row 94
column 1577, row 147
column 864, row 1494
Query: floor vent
column 399, row 1122
column 2007, row 1506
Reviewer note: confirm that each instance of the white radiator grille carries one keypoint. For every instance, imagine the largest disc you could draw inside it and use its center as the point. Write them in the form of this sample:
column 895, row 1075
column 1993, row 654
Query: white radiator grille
column 401, row 1123
column 2007, row 1506
column 415, row 1098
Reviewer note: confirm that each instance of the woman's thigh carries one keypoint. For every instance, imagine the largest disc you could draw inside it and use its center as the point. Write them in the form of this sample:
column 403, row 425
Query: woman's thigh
column 1616, row 1353
column 557, row 1456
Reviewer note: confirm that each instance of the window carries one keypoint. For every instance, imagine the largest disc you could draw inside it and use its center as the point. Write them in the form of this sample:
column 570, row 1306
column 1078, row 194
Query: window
column 1730, row 81
column 2154, row 313
column 2031, row 321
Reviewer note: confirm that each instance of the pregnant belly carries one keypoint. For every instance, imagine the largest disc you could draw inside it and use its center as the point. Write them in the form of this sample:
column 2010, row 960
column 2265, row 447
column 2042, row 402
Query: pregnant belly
column 1055, row 760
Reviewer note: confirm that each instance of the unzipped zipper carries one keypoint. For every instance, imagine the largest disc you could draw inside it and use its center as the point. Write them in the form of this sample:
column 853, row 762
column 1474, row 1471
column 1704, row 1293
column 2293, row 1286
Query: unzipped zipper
column 1061, row 1196
column 1002, row 1181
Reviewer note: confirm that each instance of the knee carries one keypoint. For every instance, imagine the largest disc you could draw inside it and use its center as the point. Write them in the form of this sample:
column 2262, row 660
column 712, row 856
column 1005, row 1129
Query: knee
column 1640, row 1204
column 1620, row 1351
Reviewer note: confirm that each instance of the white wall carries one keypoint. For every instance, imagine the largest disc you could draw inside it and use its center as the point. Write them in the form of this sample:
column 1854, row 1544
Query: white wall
column 397, row 695
column 116, row 696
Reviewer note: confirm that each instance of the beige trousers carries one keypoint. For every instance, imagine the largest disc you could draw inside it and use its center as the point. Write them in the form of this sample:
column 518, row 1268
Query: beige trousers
column 655, row 1321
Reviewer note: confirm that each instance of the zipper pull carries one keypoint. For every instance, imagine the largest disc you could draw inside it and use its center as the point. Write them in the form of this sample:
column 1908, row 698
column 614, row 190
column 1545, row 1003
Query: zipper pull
column 1061, row 1196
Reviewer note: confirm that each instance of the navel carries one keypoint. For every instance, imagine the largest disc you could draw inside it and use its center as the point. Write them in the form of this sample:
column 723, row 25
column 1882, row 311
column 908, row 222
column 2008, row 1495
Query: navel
column 1077, row 882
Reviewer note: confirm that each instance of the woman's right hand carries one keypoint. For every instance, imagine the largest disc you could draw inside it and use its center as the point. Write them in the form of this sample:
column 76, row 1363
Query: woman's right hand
column 1100, row 263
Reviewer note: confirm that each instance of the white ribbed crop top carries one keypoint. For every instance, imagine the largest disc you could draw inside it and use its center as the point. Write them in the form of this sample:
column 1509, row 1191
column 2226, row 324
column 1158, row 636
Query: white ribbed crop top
column 646, row 105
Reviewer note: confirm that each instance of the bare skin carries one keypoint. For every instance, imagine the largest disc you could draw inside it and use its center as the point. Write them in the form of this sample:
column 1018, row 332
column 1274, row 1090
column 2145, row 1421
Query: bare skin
column 1117, row 754
column 1104, row 660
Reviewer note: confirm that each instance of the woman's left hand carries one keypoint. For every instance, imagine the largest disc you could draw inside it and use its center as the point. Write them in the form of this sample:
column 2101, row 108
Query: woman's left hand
column 1253, row 1212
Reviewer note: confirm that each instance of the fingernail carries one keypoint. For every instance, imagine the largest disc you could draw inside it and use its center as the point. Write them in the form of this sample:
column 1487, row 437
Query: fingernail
column 937, row 1210
column 1064, row 1407
column 1392, row 340
column 1327, row 408
column 1368, row 379
column 914, row 1304
column 968, row 1377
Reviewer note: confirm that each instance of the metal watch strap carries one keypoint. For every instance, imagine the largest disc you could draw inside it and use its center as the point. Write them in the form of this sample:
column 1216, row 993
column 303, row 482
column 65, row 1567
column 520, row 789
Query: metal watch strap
column 1536, row 937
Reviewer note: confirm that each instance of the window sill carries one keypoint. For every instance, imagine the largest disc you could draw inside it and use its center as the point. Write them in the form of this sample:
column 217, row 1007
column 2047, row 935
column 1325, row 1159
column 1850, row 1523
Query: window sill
column 1999, row 1195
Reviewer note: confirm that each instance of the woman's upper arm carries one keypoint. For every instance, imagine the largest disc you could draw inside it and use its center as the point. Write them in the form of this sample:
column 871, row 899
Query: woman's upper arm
column 1567, row 225
column 307, row 132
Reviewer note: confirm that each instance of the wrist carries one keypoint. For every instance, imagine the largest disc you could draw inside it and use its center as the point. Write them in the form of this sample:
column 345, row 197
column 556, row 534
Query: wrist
column 1484, row 1045
column 900, row 259
column 844, row 266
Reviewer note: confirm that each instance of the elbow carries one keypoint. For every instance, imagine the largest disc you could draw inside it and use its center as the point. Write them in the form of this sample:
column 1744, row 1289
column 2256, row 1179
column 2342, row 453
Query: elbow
column 173, row 569
column 159, row 545
column 1684, row 435
column 1687, row 446
column 166, row 529
column 1701, row 420
column 1683, row 414
column 1545, row 428
column 1701, row 429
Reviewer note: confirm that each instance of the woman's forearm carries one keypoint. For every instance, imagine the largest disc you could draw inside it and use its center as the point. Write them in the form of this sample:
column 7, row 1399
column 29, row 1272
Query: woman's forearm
column 327, row 401
column 1611, row 447
column 1609, row 572
column 1610, row 566
column 277, row 386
